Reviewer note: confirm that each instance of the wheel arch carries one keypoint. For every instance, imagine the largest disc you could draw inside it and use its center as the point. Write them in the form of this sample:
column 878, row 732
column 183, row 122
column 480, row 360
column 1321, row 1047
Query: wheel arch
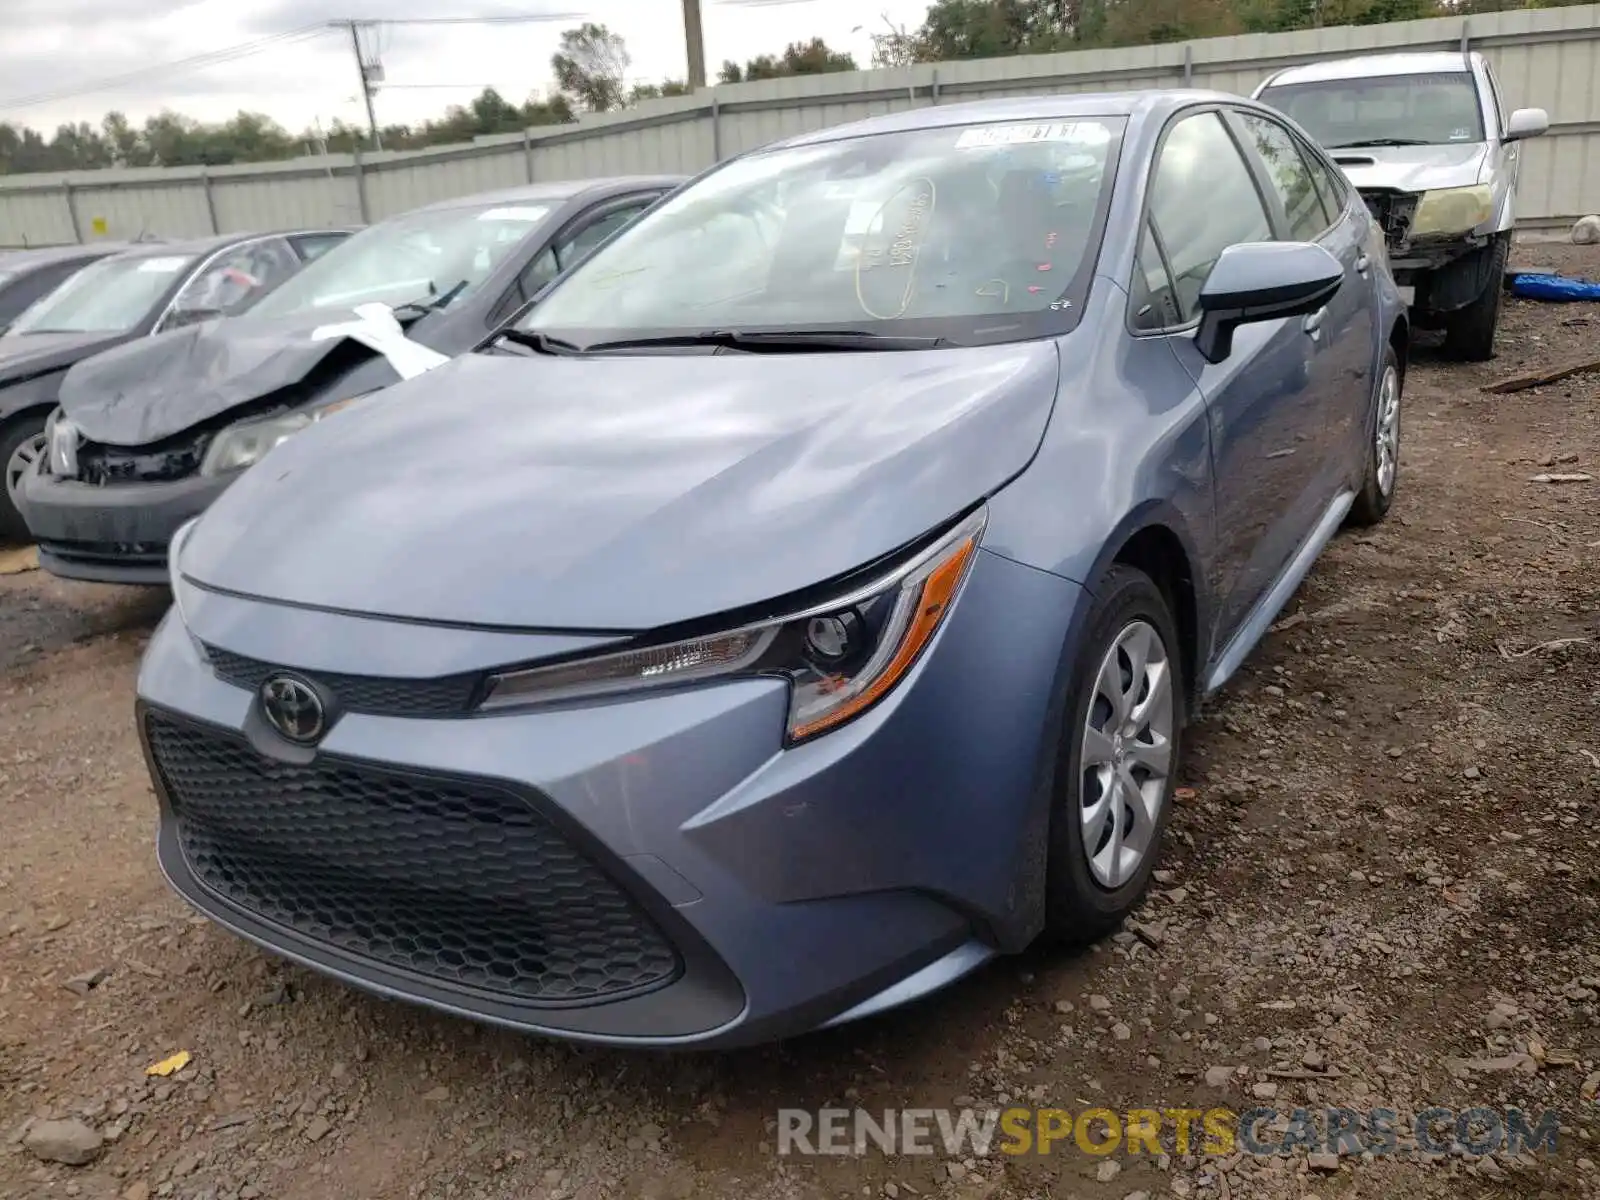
column 1155, row 538
column 1400, row 341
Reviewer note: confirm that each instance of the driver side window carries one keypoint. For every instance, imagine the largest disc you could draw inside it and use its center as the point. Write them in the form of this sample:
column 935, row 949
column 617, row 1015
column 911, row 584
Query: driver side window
column 564, row 251
column 232, row 280
column 1203, row 199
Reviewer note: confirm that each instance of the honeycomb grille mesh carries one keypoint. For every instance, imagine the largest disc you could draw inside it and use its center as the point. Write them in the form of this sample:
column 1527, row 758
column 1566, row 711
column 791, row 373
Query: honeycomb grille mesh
column 457, row 881
column 447, row 696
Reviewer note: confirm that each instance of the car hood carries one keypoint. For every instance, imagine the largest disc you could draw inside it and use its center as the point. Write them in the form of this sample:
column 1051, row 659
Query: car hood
column 623, row 492
column 1412, row 168
column 24, row 355
column 163, row 385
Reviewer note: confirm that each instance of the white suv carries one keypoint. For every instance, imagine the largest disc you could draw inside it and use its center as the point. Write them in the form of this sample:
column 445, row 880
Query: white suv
column 1427, row 143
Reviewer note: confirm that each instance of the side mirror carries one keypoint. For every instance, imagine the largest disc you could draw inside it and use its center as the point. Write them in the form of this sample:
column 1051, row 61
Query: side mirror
column 1262, row 281
column 1527, row 123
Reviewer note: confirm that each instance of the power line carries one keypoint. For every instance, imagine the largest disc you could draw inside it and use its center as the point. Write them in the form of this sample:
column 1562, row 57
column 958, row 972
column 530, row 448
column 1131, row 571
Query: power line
column 369, row 62
column 211, row 58
column 509, row 19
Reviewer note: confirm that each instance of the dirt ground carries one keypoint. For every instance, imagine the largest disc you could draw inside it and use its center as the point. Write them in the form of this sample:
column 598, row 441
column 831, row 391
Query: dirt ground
column 1380, row 889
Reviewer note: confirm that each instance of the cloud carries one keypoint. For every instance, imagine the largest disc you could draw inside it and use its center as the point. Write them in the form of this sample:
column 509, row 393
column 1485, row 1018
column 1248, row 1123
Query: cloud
column 54, row 46
column 275, row 15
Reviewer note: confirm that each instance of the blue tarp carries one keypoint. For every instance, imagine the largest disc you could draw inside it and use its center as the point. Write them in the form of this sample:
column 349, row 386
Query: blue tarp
column 1553, row 287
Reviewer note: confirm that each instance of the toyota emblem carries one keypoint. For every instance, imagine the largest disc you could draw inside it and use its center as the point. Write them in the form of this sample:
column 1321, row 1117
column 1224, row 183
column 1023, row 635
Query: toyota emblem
column 293, row 708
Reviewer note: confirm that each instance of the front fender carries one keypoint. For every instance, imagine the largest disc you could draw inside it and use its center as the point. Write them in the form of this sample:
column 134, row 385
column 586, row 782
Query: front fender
column 28, row 395
column 1502, row 181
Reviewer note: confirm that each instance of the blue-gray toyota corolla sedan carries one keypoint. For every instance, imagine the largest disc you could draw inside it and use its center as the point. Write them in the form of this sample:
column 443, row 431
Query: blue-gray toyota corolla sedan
column 801, row 601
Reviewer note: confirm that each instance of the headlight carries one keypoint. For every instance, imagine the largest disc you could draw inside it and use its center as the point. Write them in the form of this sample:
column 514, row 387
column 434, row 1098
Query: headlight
column 1452, row 210
column 840, row 658
column 246, row 443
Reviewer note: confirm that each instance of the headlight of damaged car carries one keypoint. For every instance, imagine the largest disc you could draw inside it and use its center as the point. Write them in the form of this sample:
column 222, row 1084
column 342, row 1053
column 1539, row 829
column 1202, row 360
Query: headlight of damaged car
column 840, row 657
column 1452, row 210
column 246, row 443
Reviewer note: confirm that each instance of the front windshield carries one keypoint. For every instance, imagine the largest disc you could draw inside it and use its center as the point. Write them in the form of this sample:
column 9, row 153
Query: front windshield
column 1407, row 110
column 410, row 259
column 968, row 233
column 109, row 296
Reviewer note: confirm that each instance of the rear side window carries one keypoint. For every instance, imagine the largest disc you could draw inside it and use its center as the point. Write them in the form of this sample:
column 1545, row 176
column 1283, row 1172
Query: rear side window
column 1203, row 199
column 1291, row 178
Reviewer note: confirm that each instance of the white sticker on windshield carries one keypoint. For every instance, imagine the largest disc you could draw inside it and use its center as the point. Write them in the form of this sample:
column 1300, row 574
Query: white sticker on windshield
column 513, row 214
column 858, row 223
column 1082, row 132
column 163, row 266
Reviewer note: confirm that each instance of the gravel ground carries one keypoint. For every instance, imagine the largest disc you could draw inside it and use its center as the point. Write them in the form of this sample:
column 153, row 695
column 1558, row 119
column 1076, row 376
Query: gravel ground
column 1378, row 890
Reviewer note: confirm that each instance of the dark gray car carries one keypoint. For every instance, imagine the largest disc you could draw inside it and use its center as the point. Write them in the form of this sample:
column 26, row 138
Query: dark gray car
column 30, row 275
column 150, row 434
column 127, row 297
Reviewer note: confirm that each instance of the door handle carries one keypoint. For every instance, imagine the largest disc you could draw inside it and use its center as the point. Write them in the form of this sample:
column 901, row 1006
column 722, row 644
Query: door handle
column 1313, row 324
column 1363, row 263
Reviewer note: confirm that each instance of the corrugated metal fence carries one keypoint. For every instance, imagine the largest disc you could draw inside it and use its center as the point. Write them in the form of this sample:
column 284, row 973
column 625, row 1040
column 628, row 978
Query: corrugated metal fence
column 1544, row 57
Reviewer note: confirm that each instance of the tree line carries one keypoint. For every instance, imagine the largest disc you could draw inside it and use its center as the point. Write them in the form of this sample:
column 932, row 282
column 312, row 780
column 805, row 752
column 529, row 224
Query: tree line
column 590, row 70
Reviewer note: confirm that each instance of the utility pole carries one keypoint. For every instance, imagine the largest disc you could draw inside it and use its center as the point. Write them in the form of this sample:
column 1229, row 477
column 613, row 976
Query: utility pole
column 695, row 45
column 369, row 74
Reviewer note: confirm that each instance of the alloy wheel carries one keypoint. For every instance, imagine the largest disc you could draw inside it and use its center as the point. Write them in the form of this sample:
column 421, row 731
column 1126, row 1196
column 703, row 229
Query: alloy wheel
column 1127, row 755
column 22, row 461
column 1388, row 432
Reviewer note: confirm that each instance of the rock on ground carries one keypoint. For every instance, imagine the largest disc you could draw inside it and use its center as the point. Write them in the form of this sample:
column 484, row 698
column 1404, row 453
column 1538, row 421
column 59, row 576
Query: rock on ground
column 70, row 1142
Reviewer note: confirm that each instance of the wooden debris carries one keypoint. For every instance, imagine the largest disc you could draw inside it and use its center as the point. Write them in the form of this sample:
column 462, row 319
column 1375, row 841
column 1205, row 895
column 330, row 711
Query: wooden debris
column 1533, row 379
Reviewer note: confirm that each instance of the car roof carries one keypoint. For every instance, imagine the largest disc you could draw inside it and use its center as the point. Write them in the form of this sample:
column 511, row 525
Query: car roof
column 195, row 247
column 1136, row 106
column 555, row 191
column 1371, row 66
column 44, row 256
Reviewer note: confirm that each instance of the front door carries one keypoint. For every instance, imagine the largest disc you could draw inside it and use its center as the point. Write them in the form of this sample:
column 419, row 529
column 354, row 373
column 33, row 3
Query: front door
column 1204, row 198
column 1310, row 205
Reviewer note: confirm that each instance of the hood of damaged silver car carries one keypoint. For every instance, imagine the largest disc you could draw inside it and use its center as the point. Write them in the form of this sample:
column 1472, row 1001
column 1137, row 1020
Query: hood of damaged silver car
column 153, row 388
column 1412, row 168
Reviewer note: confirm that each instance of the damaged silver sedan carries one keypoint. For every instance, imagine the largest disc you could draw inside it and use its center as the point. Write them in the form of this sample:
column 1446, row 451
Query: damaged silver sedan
column 149, row 434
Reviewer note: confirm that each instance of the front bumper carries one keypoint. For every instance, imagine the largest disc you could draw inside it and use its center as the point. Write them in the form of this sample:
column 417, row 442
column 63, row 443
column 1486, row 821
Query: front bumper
column 683, row 878
column 116, row 533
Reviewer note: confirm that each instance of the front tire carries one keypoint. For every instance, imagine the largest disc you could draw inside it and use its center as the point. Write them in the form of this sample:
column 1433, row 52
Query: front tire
column 1469, row 332
column 1383, row 447
column 21, row 443
column 1118, row 761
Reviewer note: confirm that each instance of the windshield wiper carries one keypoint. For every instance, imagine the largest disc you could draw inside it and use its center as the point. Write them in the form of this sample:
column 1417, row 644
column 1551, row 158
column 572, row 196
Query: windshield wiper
column 533, row 340
column 777, row 341
column 1383, row 141
column 423, row 307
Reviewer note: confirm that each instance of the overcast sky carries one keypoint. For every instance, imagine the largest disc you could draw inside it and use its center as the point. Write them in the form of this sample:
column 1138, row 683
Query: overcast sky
column 53, row 46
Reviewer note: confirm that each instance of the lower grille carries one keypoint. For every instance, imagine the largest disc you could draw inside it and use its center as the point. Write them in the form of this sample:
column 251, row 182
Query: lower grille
column 458, row 881
column 446, row 696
